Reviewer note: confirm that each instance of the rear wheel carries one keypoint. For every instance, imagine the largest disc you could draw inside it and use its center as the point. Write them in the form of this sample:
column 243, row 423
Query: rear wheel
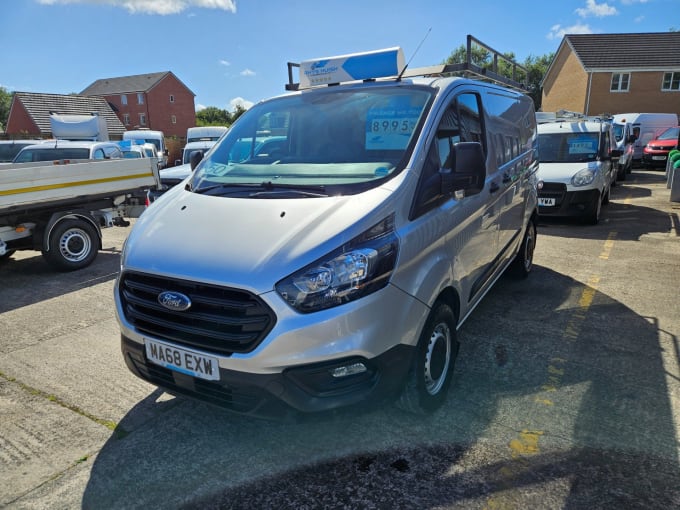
column 430, row 376
column 73, row 244
column 524, row 261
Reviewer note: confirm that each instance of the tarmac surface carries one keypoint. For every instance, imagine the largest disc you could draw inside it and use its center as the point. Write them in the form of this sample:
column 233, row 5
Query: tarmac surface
column 566, row 394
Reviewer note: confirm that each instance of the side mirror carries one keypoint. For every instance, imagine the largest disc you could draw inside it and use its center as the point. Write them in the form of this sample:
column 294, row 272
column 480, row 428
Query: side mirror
column 468, row 170
column 178, row 162
column 195, row 158
column 166, row 152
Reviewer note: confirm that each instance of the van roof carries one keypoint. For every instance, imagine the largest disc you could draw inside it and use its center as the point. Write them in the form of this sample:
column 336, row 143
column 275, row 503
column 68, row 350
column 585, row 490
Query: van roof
column 572, row 126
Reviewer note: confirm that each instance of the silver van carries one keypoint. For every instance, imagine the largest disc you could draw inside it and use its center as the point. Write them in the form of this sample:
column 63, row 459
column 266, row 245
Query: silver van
column 328, row 248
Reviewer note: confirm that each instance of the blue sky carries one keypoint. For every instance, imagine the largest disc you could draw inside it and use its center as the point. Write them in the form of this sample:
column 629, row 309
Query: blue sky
column 229, row 51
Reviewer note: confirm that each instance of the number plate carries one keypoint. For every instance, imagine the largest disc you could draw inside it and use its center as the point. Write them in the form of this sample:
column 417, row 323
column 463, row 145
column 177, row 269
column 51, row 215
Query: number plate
column 546, row 201
column 659, row 158
column 182, row 360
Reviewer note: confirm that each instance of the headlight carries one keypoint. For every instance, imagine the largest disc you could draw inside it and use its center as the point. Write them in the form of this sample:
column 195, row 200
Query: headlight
column 583, row 177
column 362, row 266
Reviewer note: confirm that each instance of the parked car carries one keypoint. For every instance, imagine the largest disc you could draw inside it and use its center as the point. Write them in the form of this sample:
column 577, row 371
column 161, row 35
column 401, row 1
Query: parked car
column 64, row 149
column 10, row 148
column 577, row 168
column 656, row 151
column 646, row 127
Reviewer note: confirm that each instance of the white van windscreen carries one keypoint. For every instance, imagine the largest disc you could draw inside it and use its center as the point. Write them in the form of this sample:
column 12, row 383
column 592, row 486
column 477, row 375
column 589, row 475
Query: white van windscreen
column 567, row 147
column 318, row 138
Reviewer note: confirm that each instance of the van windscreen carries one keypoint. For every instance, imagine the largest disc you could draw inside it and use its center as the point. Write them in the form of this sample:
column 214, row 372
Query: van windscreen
column 319, row 138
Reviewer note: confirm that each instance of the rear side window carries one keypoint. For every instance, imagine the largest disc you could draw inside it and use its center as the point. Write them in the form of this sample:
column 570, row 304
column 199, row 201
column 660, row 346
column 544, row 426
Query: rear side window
column 52, row 154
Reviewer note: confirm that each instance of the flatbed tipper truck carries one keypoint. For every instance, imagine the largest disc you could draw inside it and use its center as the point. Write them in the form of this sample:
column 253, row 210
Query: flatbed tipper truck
column 60, row 207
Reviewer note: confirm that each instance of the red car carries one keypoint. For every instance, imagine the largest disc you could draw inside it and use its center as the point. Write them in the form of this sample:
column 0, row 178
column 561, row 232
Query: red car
column 656, row 151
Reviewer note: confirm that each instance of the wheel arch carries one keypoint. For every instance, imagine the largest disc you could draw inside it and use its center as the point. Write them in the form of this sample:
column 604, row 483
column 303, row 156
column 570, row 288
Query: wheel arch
column 58, row 217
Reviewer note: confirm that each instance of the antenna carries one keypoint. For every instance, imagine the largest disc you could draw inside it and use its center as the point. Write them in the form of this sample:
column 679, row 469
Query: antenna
column 414, row 54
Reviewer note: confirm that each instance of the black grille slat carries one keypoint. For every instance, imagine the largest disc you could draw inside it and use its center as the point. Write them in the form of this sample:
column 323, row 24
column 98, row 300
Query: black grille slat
column 237, row 399
column 221, row 320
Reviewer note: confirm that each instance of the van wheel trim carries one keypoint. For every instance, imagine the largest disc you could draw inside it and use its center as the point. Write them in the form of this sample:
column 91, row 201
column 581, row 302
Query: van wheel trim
column 431, row 372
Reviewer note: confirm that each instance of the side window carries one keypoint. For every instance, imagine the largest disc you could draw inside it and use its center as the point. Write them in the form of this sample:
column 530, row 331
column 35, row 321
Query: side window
column 461, row 122
column 98, row 154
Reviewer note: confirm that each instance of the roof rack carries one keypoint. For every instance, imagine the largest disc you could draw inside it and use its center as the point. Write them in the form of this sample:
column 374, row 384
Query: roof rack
column 466, row 68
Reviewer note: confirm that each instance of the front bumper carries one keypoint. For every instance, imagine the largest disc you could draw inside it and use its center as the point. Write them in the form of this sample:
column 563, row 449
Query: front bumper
column 567, row 203
column 302, row 389
column 655, row 160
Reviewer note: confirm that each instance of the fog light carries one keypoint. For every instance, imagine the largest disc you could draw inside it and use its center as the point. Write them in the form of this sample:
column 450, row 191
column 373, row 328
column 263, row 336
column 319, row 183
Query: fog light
column 354, row 368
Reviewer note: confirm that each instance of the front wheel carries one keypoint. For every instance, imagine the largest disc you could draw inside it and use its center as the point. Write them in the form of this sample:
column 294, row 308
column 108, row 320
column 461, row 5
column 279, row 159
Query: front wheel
column 524, row 260
column 73, row 244
column 593, row 216
column 430, row 376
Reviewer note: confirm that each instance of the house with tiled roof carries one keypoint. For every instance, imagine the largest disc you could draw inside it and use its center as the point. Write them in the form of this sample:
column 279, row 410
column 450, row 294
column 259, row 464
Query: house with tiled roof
column 29, row 113
column 615, row 73
column 158, row 101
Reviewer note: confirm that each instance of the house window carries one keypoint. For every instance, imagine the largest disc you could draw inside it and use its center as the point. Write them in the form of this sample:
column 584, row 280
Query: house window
column 620, row 82
column 173, row 119
column 123, row 99
column 140, row 98
column 671, row 81
column 126, row 119
column 172, row 98
column 142, row 119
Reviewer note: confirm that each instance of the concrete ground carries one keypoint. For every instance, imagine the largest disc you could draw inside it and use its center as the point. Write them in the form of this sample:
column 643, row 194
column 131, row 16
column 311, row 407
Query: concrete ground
column 566, row 394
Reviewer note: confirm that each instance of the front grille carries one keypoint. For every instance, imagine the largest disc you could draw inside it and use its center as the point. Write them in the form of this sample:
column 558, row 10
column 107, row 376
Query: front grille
column 221, row 320
column 556, row 190
column 241, row 400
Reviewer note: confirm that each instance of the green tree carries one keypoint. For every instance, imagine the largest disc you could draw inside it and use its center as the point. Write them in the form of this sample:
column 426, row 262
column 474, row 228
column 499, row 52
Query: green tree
column 213, row 116
column 5, row 103
column 238, row 111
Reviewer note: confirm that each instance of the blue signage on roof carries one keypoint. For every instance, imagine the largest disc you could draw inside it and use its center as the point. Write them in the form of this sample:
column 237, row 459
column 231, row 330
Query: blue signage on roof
column 360, row 66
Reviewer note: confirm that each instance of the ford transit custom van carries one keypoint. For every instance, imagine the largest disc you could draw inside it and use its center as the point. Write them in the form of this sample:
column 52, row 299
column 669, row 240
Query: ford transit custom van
column 328, row 248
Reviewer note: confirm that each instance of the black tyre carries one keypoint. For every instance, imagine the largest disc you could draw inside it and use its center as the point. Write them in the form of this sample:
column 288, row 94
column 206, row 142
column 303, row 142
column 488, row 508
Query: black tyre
column 6, row 256
column 605, row 199
column 430, row 376
column 621, row 174
column 73, row 245
column 593, row 216
column 524, row 260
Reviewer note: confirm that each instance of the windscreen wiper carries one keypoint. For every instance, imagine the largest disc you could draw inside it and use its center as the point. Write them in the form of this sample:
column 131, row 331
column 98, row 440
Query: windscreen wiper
column 263, row 189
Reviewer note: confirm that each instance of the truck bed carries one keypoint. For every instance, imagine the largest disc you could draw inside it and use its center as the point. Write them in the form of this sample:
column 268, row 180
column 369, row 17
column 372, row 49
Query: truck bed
column 28, row 186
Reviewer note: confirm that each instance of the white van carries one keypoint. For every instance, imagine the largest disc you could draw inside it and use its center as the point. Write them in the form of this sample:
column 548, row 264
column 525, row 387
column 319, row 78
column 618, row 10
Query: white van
column 54, row 150
column 205, row 133
column 328, row 248
column 149, row 136
column 577, row 168
column 646, row 126
column 625, row 140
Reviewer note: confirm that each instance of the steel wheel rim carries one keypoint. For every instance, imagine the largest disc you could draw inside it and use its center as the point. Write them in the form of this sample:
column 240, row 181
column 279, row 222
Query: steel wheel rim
column 75, row 245
column 529, row 247
column 437, row 358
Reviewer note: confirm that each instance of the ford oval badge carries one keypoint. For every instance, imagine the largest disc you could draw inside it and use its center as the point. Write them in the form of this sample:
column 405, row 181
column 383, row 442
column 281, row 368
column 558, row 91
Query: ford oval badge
column 175, row 301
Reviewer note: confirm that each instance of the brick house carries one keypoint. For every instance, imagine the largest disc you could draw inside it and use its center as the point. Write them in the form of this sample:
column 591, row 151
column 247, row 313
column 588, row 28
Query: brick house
column 615, row 73
column 29, row 113
column 158, row 101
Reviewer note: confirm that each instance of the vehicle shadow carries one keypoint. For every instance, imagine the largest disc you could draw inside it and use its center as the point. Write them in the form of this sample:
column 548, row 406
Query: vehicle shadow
column 572, row 414
column 29, row 279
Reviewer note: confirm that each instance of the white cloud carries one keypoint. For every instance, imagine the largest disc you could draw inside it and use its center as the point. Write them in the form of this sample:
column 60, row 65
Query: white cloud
column 639, row 19
column 247, row 72
column 224, row 62
column 558, row 31
column 594, row 9
column 200, row 107
column 162, row 7
column 239, row 101
column 629, row 2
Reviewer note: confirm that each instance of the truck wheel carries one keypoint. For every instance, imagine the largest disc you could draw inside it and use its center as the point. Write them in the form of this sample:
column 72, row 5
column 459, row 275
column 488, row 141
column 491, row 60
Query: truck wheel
column 430, row 376
column 73, row 245
column 524, row 260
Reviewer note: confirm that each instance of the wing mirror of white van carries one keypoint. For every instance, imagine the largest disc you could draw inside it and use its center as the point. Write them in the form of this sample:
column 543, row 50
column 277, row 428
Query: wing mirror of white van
column 468, row 169
column 195, row 158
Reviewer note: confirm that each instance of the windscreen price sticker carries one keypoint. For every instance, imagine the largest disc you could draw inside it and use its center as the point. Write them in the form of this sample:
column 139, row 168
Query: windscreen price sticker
column 390, row 129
